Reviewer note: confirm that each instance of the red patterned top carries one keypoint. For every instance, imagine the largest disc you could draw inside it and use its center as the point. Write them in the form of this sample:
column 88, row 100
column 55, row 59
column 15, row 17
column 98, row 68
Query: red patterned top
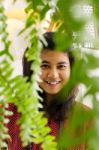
column 15, row 143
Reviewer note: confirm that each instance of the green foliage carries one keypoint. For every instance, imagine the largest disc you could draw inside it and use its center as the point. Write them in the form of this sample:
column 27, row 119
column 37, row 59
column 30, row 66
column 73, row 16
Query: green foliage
column 6, row 72
column 71, row 136
column 85, row 61
column 4, row 34
column 17, row 91
column 3, row 130
column 24, row 95
column 39, row 132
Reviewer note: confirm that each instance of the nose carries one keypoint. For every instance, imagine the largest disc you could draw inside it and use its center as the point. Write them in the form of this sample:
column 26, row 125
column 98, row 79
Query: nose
column 53, row 73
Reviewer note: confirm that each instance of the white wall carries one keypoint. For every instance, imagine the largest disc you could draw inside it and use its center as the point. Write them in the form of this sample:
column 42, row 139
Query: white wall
column 19, row 4
column 15, row 25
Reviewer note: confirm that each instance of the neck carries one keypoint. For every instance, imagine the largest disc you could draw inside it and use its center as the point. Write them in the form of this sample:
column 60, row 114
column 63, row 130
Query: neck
column 49, row 98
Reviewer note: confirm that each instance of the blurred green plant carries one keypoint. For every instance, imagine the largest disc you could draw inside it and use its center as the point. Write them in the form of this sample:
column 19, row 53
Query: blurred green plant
column 25, row 96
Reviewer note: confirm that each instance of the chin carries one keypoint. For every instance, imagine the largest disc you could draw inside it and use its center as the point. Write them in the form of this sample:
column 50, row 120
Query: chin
column 52, row 92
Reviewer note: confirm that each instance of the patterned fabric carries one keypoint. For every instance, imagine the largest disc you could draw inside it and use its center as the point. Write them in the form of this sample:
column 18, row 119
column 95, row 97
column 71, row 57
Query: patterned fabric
column 54, row 131
column 15, row 143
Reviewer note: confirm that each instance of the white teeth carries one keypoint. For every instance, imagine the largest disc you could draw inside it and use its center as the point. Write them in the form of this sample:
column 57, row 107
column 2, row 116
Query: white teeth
column 53, row 83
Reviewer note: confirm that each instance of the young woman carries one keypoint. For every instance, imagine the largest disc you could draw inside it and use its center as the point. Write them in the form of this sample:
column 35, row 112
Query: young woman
column 55, row 74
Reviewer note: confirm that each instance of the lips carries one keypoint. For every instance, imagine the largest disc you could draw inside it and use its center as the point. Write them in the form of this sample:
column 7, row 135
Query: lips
column 52, row 82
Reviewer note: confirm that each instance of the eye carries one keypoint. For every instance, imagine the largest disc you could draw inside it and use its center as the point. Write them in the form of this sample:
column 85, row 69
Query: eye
column 44, row 66
column 61, row 67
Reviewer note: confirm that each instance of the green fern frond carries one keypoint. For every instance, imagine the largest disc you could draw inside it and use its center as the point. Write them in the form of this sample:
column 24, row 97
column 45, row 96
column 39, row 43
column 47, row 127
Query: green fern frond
column 36, row 122
column 4, row 34
column 17, row 91
column 3, row 121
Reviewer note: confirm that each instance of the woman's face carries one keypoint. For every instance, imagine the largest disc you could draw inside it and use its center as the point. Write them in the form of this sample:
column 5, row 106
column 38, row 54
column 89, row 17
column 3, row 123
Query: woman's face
column 55, row 71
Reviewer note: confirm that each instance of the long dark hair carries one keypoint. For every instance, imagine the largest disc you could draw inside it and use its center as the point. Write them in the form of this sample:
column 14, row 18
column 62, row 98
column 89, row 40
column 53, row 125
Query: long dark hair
column 58, row 108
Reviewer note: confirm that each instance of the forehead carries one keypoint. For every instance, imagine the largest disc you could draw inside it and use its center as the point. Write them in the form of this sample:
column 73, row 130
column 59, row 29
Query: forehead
column 54, row 56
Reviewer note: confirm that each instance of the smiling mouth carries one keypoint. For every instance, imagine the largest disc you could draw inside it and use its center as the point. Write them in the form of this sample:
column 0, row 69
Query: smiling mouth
column 52, row 82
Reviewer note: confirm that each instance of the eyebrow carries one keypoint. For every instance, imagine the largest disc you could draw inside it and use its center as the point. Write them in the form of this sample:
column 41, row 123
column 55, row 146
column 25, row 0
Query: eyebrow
column 63, row 62
column 44, row 61
column 59, row 63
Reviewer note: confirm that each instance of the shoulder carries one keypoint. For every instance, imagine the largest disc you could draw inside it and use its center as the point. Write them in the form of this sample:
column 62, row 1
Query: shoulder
column 78, row 124
column 80, row 114
column 81, row 105
column 78, row 106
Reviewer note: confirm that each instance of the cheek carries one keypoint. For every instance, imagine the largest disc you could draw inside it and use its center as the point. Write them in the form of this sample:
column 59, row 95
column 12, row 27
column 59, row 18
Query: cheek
column 41, row 82
column 67, row 74
column 43, row 75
